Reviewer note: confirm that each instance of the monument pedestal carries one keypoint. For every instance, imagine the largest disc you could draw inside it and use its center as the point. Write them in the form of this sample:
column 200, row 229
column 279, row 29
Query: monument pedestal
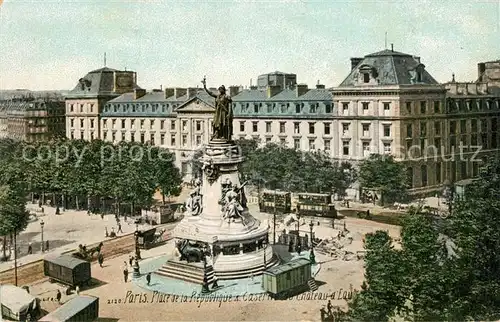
column 235, row 244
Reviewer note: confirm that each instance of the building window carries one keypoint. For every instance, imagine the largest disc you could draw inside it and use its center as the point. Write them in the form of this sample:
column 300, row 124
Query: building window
column 268, row 127
column 345, row 148
column 366, row 77
column 365, row 106
column 298, row 108
column 423, row 129
column 311, row 128
column 437, row 107
column 91, row 124
column 242, row 126
column 438, row 173
column 473, row 125
column 423, row 107
column 123, row 124
column 91, row 136
column 71, row 108
column 142, row 124
column 268, row 140
column 311, row 144
column 328, row 144
column 283, row 141
column 366, row 149
column 423, row 173
column 113, row 137
column 152, row 138
column 81, row 108
column 142, row 138
column 296, row 128
column 387, row 106
column 366, row 130
column 184, row 125
column 198, row 126
column 282, row 127
column 463, row 125
column 184, row 140
column 82, row 123
column 71, row 122
column 113, row 124
column 172, row 125
column 256, row 108
column 345, row 108
column 172, row 141
column 162, row 124
column 387, row 130
column 198, row 140
column 437, row 128
column 162, row 139
column 328, row 108
column 345, row 129
column 408, row 107
column 296, row 144
column 105, row 136
column 312, row 108
column 387, row 148
column 409, row 131
column 255, row 127
column 453, row 127
column 437, row 145
column 327, row 128
column 132, row 124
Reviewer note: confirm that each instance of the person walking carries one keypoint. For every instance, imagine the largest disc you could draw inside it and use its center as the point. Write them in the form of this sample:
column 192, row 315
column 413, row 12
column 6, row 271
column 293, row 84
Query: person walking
column 47, row 246
column 329, row 307
column 77, row 289
column 30, row 249
column 130, row 260
column 58, row 296
column 148, row 278
column 100, row 259
column 125, row 272
column 119, row 228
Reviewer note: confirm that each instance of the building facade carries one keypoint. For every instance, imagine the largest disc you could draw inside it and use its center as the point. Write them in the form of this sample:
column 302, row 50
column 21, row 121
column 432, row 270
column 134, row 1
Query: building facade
column 32, row 119
column 85, row 102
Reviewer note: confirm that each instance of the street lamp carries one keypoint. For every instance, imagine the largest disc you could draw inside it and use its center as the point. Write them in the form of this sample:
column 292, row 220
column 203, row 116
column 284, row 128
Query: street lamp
column 312, row 257
column 15, row 257
column 41, row 226
column 274, row 219
column 264, row 246
column 136, row 234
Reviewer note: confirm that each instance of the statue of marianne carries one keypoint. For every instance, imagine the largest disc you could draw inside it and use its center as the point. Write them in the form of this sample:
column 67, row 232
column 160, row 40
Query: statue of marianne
column 223, row 118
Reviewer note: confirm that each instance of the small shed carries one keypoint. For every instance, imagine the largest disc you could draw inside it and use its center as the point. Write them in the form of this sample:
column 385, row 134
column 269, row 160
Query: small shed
column 67, row 269
column 17, row 303
column 287, row 277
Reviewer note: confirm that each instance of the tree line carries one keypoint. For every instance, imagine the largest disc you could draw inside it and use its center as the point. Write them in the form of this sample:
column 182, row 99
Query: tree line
column 445, row 270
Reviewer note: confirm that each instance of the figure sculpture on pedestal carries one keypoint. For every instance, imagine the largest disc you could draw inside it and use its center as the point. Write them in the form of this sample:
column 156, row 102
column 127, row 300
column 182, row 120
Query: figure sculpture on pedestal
column 226, row 186
column 232, row 208
column 193, row 203
column 223, row 118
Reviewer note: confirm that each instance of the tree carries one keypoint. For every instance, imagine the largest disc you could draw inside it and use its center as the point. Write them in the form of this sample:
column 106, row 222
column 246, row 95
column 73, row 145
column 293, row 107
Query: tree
column 383, row 173
column 13, row 214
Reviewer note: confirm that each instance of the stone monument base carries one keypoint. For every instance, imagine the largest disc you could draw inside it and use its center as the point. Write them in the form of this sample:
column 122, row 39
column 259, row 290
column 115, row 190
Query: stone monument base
column 189, row 272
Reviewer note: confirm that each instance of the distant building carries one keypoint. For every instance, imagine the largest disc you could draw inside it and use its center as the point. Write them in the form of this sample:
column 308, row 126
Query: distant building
column 84, row 103
column 283, row 80
column 29, row 119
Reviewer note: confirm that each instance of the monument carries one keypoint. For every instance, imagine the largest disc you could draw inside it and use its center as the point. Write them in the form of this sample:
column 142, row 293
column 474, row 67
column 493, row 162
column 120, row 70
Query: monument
column 218, row 235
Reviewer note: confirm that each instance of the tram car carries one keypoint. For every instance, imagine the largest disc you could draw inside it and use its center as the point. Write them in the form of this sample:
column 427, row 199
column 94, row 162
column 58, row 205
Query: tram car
column 287, row 279
column 147, row 239
column 80, row 308
column 67, row 270
column 316, row 204
column 271, row 200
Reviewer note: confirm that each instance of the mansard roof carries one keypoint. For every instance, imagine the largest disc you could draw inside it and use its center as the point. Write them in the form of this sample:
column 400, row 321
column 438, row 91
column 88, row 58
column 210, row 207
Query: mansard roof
column 390, row 68
column 99, row 82
column 312, row 94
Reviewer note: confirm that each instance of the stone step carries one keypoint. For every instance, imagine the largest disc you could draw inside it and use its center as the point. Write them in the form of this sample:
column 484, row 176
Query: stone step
column 312, row 285
column 189, row 272
column 190, row 279
column 196, row 274
column 246, row 272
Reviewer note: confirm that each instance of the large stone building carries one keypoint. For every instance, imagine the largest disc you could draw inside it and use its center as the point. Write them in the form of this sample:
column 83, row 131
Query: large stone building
column 85, row 102
column 32, row 119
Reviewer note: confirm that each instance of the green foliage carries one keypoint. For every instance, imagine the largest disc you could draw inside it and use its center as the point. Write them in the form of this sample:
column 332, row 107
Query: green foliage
column 445, row 270
column 383, row 173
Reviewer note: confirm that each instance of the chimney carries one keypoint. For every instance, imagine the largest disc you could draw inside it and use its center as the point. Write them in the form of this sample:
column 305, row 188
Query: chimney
column 301, row 89
column 191, row 91
column 273, row 90
column 392, row 47
column 169, row 92
column 139, row 92
column 355, row 62
column 481, row 68
column 180, row 92
column 417, row 59
column 320, row 86
column 234, row 90
column 161, row 87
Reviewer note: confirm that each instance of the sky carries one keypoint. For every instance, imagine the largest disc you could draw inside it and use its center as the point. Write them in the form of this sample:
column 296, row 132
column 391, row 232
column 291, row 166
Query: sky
column 49, row 45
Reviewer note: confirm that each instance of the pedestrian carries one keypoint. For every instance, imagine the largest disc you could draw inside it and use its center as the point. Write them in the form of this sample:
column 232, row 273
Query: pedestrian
column 136, row 264
column 106, row 231
column 77, row 289
column 100, row 259
column 323, row 313
column 130, row 260
column 148, row 278
column 30, row 249
column 102, row 215
column 125, row 272
column 47, row 246
column 58, row 296
column 329, row 307
column 119, row 228
column 299, row 248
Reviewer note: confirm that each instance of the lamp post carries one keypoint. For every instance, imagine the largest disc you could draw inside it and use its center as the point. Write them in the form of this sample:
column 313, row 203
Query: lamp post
column 274, row 219
column 41, row 226
column 264, row 246
column 137, row 251
column 312, row 257
column 15, row 257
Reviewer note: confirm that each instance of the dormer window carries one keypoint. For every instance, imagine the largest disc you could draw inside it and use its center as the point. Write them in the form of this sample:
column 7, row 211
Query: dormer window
column 419, row 72
column 367, row 73
column 366, row 78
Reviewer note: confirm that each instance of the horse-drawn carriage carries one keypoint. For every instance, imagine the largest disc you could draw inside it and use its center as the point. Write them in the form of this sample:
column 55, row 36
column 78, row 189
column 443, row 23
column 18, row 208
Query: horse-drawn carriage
column 150, row 238
column 87, row 254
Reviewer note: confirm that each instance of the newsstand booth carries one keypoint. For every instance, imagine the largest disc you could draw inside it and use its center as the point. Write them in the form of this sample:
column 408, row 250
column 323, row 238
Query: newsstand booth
column 17, row 304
